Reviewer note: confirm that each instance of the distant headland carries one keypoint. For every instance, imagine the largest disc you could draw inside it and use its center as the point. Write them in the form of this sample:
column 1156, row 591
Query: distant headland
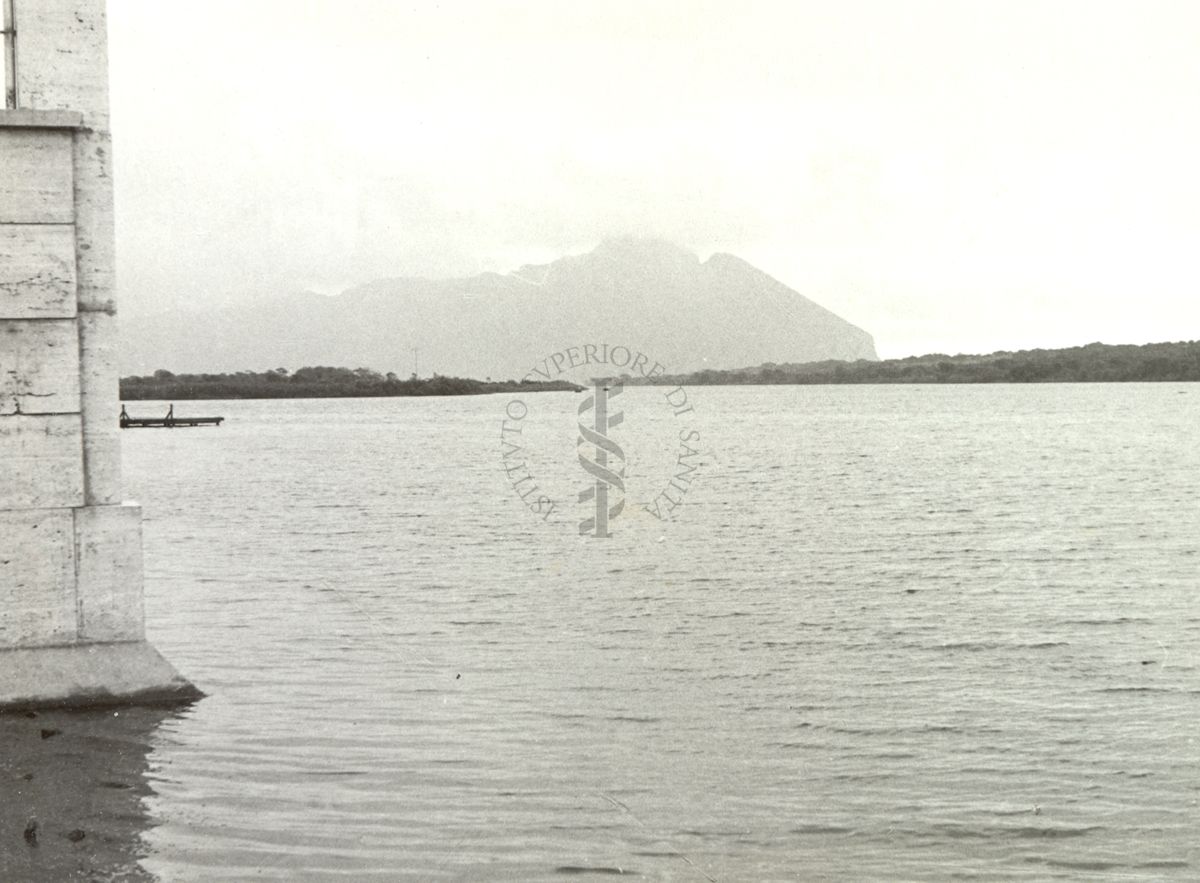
column 314, row 383
column 1094, row 363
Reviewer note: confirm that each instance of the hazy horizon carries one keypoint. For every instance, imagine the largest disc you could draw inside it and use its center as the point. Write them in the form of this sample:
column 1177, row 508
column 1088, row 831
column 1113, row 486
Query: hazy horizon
column 949, row 177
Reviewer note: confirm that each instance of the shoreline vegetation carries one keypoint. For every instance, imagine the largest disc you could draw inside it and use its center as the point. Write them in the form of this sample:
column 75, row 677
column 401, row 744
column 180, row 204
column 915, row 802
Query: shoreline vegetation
column 314, row 383
column 1094, row 363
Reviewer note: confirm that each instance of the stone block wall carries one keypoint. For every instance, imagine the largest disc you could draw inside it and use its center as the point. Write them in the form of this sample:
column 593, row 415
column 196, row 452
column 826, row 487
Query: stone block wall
column 70, row 550
column 71, row 626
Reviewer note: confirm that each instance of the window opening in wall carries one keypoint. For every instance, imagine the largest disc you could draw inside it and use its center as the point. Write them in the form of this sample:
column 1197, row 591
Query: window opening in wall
column 8, row 76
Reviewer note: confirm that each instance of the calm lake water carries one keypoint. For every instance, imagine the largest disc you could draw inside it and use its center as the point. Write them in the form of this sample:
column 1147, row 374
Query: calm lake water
column 923, row 633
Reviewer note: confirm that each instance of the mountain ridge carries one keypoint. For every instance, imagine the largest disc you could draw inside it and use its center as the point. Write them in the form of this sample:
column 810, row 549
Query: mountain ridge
column 649, row 294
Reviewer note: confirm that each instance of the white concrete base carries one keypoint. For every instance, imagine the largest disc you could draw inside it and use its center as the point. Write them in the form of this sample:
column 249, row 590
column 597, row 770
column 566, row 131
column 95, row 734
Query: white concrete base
column 90, row 675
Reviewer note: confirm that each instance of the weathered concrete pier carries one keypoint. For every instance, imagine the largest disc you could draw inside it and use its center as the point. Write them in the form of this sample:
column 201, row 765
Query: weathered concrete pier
column 71, row 622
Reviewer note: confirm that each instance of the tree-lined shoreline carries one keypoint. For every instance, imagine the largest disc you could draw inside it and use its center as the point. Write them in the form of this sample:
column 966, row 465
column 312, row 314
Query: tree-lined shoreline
column 1094, row 363
column 315, row 382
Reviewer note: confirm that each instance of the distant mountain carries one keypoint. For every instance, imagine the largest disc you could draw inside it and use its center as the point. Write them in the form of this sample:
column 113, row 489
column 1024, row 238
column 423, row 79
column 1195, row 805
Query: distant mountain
column 647, row 295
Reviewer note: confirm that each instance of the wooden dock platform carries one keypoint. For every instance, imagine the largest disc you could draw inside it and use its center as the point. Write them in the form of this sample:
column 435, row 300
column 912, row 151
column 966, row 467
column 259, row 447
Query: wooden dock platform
column 168, row 422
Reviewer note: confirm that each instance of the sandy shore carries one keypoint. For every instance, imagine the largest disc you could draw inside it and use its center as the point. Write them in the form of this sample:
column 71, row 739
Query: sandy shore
column 74, row 788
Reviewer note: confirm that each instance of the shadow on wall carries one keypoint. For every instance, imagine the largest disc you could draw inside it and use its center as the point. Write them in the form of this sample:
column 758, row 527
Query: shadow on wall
column 73, row 789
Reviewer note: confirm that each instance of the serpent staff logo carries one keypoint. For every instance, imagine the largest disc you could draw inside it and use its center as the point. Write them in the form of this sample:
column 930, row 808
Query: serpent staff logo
column 605, row 476
column 618, row 481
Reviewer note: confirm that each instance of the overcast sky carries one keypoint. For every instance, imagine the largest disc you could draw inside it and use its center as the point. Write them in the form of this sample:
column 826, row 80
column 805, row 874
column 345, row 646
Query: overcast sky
column 952, row 176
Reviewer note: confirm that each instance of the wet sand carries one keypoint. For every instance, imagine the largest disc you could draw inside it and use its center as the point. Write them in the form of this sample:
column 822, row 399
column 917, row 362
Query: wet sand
column 73, row 789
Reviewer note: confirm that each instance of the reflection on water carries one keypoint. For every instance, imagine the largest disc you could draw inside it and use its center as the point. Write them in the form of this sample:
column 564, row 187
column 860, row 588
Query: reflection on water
column 73, row 789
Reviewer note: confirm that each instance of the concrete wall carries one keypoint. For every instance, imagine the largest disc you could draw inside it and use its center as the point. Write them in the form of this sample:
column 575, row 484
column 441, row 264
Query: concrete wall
column 70, row 549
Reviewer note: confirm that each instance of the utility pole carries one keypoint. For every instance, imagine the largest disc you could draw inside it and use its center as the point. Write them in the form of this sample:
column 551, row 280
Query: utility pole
column 416, row 350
